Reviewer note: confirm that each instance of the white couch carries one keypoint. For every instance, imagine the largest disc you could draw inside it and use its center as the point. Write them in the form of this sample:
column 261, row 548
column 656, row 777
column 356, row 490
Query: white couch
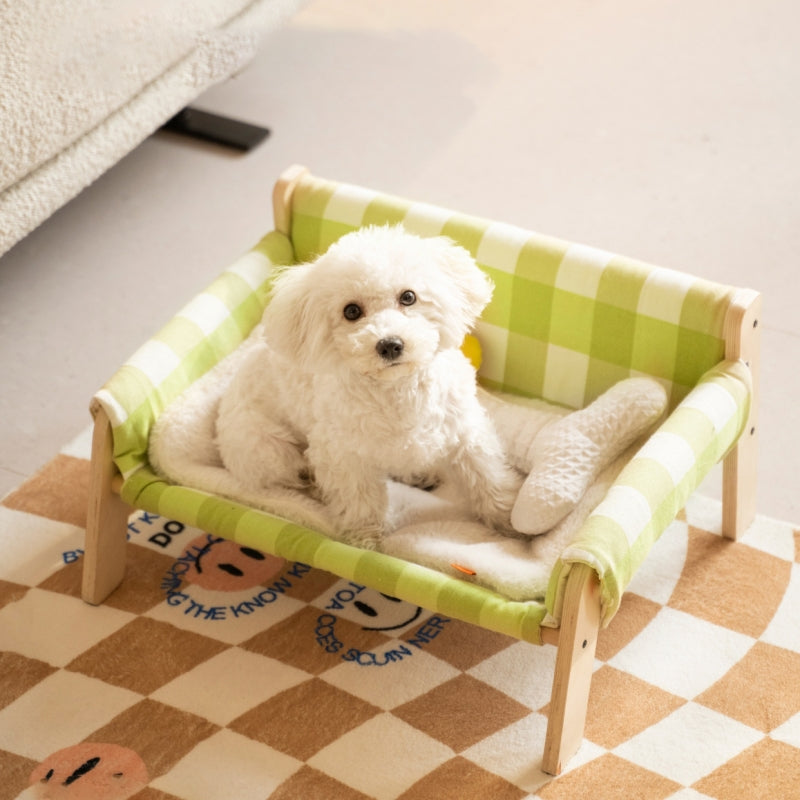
column 82, row 82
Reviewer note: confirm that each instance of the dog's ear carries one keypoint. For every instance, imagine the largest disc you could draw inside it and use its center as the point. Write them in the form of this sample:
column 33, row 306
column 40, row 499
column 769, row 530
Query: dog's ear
column 289, row 322
column 473, row 287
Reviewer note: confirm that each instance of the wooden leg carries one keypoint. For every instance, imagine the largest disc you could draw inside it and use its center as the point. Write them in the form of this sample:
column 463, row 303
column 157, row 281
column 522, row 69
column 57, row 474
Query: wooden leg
column 739, row 469
column 580, row 624
column 107, row 521
column 739, row 473
column 282, row 197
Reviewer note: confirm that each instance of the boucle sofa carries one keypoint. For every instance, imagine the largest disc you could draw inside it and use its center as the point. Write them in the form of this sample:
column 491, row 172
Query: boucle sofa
column 83, row 82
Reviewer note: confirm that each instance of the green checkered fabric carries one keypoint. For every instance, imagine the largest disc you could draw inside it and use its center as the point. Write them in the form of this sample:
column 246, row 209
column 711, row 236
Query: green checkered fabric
column 565, row 323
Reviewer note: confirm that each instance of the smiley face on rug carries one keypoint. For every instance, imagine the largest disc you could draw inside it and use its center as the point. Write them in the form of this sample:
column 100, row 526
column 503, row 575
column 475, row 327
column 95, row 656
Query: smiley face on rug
column 359, row 378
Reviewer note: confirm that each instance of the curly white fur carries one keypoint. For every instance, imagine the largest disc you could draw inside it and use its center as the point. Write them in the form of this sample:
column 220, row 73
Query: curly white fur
column 359, row 378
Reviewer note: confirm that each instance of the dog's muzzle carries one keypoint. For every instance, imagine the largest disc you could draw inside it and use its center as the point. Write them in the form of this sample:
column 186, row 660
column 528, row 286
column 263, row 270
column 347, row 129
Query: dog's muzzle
column 390, row 349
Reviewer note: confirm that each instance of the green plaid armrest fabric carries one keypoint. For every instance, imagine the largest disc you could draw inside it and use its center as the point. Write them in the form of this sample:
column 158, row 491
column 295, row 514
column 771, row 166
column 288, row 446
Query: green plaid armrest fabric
column 210, row 327
column 655, row 485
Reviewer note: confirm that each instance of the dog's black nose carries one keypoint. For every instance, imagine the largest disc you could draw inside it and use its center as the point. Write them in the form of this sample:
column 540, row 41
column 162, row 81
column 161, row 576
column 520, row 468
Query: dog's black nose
column 390, row 348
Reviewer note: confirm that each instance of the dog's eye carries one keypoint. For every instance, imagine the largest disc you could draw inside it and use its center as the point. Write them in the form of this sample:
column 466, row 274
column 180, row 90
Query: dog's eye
column 408, row 298
column 352, row 311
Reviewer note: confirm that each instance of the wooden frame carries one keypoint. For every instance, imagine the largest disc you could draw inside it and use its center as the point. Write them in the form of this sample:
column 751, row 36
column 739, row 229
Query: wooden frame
column 739, row 469
column 576, row 639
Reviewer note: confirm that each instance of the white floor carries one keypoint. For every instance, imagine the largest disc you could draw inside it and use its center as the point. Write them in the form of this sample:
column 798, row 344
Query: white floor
column 665, row 130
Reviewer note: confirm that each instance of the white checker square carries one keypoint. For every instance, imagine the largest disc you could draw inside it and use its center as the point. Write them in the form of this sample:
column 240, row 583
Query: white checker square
column 56, row 628
column 784, row 629
column 672, row 452
column 789, row 732
column 348, row 204
column 660, row 572
column 714, row 402
column 628, row 507
column 689, row 744
column 229, row 684
column 580, row 270
column 417, row 674
column 64, row 708
column 512, row 753
column 33, row 547
column 162, row 535
column 704, row 653
column 500, row 247
column 253, row 267
column 689, row 794
column 206, row 311
column 771, row 536
column 523, row 671
column 380, row 742
column 425, row 219
column 565, row 376
column 156, row 360
column 663, row 294
column 230, row 617
column 227, row 765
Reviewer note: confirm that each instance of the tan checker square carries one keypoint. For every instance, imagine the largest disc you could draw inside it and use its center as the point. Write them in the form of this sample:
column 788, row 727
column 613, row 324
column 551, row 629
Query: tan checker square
column 11, row 592
column 160, row 734
column 313, row 640
column 730, row 584
column 768, row 769
column 18, row 674
column 458, row 643
column 59, row 491
column 302, row 720
column 145, row 654
column 461, row 712
column 621, row 706
column 459, row 779
column 137, row 593
column 634, row 614
column 15, row 771
column 611, row 778
column 311, row 784
column 762, row 690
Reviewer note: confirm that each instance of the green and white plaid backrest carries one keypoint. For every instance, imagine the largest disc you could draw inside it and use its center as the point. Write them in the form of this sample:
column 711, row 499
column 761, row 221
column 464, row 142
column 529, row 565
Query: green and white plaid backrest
column 566, row 321
column 200, row 335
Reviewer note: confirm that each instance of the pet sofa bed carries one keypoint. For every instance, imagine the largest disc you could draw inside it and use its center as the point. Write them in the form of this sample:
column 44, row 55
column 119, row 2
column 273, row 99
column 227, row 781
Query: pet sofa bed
column 83, row 83
column 566, row 323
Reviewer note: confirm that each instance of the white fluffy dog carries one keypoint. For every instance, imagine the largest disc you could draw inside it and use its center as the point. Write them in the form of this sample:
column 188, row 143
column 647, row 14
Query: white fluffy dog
column 359, row 378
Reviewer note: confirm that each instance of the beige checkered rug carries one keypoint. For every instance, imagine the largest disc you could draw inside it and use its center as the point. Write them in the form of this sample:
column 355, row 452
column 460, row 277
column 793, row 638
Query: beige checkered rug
column 216, row 672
